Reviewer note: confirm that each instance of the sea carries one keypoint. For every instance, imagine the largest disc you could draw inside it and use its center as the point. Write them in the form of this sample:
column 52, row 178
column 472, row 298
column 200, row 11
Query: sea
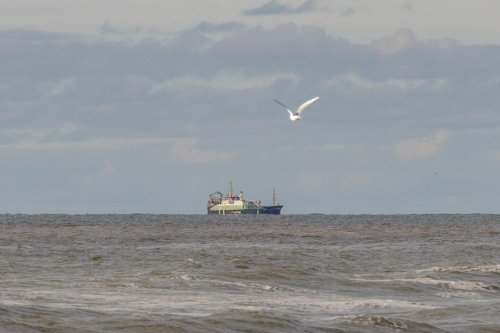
column 288, row 273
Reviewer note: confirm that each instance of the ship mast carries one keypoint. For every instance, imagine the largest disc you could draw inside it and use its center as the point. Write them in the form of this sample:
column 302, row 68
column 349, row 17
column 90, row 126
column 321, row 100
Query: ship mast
column 230, row 189
column 274, row 196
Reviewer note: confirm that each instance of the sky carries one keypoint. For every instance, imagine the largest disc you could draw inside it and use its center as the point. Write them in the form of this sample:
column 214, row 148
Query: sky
column 124, row 106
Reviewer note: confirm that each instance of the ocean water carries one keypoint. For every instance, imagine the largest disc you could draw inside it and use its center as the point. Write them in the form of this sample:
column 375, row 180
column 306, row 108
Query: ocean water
column 290, row 273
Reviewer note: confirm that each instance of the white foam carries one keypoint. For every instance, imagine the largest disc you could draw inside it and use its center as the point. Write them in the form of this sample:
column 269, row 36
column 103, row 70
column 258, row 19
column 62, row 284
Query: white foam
column 234, row 284
column 481, row 269
column 251, row 285
column 350, row 304
column 459, row 294
column 469, row 286
column 456, row 285
column 193, row 303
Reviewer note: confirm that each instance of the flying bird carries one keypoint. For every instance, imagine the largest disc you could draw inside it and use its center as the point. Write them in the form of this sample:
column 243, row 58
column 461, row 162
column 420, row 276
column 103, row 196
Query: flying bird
column 294, row 116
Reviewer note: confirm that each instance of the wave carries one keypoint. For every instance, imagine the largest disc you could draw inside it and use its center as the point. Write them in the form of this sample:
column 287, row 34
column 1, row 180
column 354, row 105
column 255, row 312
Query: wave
column 271, row 273
column 248, row 285
column 465, row 269
column 231, row 284
column 349, row 305
column 398, row 325
column 450, row 284
column 232, row 320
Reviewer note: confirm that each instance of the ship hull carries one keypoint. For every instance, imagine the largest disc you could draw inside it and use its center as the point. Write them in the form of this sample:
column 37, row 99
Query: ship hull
column 273, row 210
column 265, row 210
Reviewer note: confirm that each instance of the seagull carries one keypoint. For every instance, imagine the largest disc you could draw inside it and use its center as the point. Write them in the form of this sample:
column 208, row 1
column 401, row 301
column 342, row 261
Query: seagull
column 294, row 116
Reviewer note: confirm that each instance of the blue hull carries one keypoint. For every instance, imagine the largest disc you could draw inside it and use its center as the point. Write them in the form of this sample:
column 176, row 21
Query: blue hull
column 273, row 210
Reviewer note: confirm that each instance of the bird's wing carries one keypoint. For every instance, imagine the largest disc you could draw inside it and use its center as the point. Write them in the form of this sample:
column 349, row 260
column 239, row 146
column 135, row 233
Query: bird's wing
column 306, row 104
column 283, row 105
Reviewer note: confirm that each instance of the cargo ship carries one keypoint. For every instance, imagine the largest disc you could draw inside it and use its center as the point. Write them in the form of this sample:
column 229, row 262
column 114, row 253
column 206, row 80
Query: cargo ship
column 230, row 203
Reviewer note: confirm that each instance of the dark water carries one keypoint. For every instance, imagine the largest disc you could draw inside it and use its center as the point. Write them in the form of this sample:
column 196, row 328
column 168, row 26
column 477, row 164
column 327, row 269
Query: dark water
column 302, row 273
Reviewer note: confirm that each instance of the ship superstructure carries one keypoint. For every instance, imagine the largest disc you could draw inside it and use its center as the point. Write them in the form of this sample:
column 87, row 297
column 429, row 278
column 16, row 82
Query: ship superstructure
column 230, row 203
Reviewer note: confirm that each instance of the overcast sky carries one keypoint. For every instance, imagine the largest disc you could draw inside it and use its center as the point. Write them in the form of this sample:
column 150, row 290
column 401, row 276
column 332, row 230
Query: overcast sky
column 123, row 106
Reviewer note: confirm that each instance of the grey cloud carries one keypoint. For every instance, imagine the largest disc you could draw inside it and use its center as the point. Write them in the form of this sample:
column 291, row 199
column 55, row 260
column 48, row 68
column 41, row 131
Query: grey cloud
column 110, row 78
column 273, row 7
column 108, row 28
column 349, row 12
column 221, row 27
column 407, row 6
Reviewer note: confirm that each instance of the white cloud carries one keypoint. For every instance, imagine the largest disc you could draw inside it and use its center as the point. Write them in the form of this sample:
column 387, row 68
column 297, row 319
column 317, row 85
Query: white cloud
column 15, row 136
column 353, row 85
column 183, row 150
column 59, row 87
column 401, row 40
column 188, row 151
column 35, row 144
column 224, row 80
column 421, row 148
